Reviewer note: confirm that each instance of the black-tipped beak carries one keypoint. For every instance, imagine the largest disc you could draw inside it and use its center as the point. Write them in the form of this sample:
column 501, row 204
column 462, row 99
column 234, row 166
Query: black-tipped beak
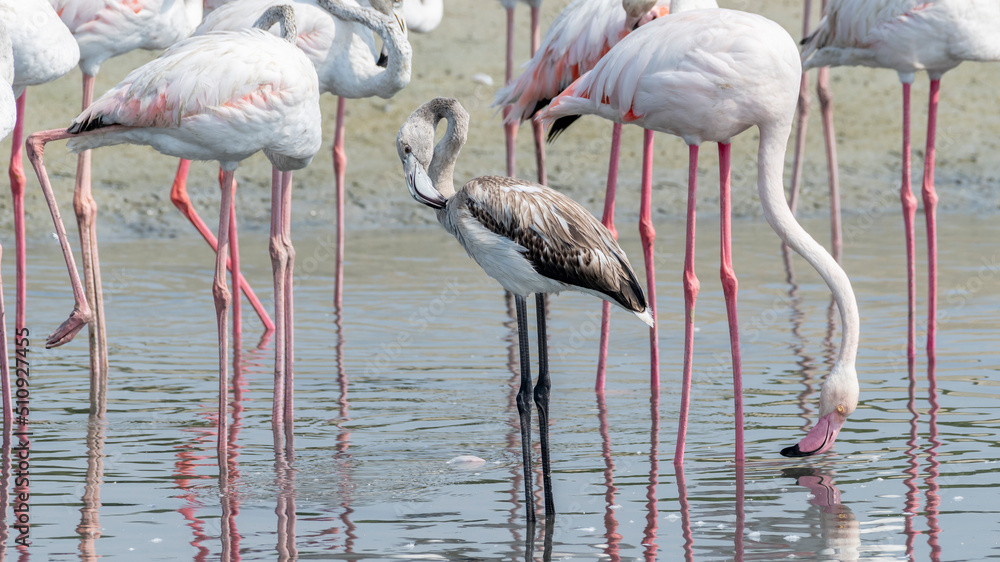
column 794, row 451
column 420, row 184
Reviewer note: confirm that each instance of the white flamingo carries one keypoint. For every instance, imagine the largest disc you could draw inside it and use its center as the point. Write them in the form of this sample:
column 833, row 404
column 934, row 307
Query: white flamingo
column 528, row 237
column 696, row 75
column 423, row 16
column 910, row 36
column 263, row 96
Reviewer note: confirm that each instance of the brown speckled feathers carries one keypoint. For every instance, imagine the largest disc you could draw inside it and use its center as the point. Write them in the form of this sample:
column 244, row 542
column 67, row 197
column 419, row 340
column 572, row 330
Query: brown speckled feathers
column 562, row 240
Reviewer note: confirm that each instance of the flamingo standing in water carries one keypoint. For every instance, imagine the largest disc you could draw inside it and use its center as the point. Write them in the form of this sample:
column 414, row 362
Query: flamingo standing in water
column 825, row 95
column 510, row 127
column 43, row 50
column 338, row 39
column 580, row 35
column 105, row 29
column 528, row 237
column 263, row 96
column 909, row 36
column 697, row 75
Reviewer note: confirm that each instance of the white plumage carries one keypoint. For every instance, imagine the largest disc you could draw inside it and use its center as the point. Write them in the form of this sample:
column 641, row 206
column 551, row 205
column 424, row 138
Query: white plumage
column 44, row 49
column 423, row 16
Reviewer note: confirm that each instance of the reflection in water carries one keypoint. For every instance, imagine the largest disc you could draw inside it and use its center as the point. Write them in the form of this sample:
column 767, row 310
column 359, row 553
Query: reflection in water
column 611, row 536
column 932, row 508
column 839, row 527
column 5, row 486
column 933, row 465
column 343, row 456
column 89, row 528
column 682, row 499
column 649, row 535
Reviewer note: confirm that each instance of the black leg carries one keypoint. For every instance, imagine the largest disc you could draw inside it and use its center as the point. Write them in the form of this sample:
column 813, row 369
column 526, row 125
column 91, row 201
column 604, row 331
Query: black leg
column 524, row 402
column 542, row 401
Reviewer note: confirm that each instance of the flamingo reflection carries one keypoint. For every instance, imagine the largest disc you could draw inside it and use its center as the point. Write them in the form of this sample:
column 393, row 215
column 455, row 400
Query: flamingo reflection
column 649, row 534
column 932, row 508
column 839, row 527
column 89, row 528
column 611, row 536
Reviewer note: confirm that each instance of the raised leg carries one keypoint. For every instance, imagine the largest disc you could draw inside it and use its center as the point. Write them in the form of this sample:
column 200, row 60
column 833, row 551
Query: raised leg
column 608, row 220
column 279, row 261
column 909, row 212
column 648, row 234
column 223, row 297
column 339, row 171
column 691, row 286
column 179, row 197
column 81, row 315
column 509, row 129
column 524, row 403
column 17, row 183
column 930, row 212
column 542, row 388
column 825, row 94
column 729, row 289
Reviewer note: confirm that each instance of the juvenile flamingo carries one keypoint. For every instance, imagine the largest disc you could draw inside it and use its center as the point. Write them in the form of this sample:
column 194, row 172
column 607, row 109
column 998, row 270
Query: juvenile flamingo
column 696, row 75
column 44, row 50
column 338, row 39
column 105, row 29
column 909, row 36
column 264, row 96
column 528, row 237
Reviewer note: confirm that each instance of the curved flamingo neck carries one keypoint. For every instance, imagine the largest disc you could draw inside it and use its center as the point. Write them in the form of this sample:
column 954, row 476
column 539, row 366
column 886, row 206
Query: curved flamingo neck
column 442, row 166
column 770, row 163
column 396, row 74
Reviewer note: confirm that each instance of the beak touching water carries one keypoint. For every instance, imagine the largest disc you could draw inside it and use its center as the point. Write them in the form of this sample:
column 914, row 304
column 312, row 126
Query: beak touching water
column 420, row 184
column 820, row 438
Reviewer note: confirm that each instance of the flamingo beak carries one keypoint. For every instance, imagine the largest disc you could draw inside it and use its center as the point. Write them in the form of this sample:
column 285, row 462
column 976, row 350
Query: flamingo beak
column 819, row 439
column 420, row 184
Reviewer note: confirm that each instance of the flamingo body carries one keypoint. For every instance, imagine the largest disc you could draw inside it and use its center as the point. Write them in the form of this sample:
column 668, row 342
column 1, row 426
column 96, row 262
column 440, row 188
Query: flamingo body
column 423, row 16
column 8, row 102
column 108, row 28
column 579, row 36
column 44, row 49
column 268, row 101
column 905, row 35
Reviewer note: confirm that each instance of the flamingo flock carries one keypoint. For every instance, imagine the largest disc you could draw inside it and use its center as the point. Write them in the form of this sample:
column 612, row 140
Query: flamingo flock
column 683, row 67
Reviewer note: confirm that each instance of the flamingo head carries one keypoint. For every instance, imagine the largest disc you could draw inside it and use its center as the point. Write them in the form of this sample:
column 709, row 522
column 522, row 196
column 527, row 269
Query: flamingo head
column 838, row 401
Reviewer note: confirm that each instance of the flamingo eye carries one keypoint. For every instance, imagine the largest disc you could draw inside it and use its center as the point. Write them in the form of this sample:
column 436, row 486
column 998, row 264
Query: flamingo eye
column 840, row 409
column 406, row 149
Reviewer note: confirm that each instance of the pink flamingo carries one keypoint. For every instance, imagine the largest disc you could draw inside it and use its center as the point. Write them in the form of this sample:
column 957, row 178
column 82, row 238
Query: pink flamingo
column 510, row 127
column 696, row 75
column 908, row 36
column 825, row 95
column 338, row 39
column 105, row 29
column 264, row 96
column 579, row 36
column 43, row 51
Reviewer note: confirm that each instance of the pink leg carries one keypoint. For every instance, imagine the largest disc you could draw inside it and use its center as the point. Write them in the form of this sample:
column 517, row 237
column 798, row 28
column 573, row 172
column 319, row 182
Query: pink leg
column 509, row 129
column 802, row 120
column 81, row 315
column 223, row 298
column 909, row 212
column 180, row 199
column 536, row 127
column 691, row 286
column 339, row 171
column 286, row 238
column 86, row 217
column 648, row 235
column 825, row 94
column 17, row 183
column 930, row 211
column 234, row 262
column 729, row 289
column 278, row 263
column 608, row 220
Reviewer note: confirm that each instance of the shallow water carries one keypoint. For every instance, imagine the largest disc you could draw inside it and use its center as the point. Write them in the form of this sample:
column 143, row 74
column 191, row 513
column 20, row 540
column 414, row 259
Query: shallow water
column 415, row 373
